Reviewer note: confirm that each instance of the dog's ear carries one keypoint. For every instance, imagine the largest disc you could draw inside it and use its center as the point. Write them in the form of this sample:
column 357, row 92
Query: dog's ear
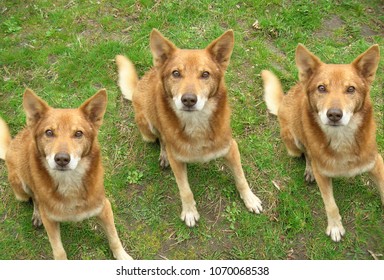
column 366, row 63
column 221, row 48
column 94, row 107
column 34, row 107
column 161, row 48
column 306, row 62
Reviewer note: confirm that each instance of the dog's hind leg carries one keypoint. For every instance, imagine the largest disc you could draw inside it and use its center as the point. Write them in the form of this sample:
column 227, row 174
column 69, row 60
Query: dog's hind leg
column 290, row 143
column 145, row 127
column 308, row 174
column 19, row 188
column 163, row 159
column 108, row 224
column 252, row 202
column 36, row 218
column 377, row 175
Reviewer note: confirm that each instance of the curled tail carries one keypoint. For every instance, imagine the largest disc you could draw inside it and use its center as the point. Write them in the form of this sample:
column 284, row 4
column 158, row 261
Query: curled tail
column 5, row 138
column 127, row 76
column 273, row 91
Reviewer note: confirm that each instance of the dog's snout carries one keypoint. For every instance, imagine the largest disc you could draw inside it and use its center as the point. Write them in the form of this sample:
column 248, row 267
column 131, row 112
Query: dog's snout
column 334, row 114
column 189, row 99
column 62, row 159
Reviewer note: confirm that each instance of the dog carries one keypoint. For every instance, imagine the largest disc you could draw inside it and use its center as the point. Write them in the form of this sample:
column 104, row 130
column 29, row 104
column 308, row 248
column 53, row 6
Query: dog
column 56, row 162
column 328, row 117
column 182, row 102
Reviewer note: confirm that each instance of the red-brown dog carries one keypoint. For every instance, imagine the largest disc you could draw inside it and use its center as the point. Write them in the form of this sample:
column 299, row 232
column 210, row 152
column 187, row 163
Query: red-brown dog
column 328, row 117
column 56, row 161
column 182, row 101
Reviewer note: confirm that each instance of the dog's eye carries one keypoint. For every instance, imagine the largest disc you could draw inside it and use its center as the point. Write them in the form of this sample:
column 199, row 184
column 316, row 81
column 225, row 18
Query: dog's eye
column 49, row 133
column 78, row 134
column 351, row 89
column 176, row 74
column 205, row 75
column 322, row 89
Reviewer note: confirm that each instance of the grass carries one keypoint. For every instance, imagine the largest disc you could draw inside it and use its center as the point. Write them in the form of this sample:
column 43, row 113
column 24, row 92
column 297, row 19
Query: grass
column 65, row 52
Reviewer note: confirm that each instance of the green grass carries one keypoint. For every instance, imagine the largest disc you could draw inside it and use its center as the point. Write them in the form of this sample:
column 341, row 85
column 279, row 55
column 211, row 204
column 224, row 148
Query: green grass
column 65, row 52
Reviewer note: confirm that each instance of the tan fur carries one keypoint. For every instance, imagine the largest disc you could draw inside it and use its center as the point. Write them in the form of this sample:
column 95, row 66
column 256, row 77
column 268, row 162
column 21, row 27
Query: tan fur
column 56, row 162
column 188, row 132
column 5, row 138
column 328, row 117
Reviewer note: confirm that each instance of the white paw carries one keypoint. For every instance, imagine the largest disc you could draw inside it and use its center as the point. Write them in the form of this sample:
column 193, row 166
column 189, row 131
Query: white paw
column 190, row 216
column 122, row 255
column 252, row 202
column 335, row 231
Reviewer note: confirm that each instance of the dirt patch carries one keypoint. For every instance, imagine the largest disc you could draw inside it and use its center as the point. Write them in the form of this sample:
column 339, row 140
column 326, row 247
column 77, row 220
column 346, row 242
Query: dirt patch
column 329, row 27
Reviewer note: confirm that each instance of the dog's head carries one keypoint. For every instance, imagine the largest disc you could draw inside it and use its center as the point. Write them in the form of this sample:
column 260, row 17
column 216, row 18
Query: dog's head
column 336, row 92
column 191, row 77
column 64, row 136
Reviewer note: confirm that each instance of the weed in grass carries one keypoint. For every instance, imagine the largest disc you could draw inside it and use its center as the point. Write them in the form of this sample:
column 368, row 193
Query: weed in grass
column 11, row 25
column 135, row 176
column 231, row 213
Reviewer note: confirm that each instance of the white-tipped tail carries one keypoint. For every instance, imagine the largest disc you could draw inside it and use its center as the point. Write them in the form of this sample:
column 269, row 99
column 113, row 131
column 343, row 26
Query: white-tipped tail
column 127, row 76
column 273, row 92
column 5, row 138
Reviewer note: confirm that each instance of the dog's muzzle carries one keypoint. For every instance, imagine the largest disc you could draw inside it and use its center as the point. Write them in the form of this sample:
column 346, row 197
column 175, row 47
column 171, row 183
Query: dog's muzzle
column 189, row 100
column 62, row 160
column 335, row 117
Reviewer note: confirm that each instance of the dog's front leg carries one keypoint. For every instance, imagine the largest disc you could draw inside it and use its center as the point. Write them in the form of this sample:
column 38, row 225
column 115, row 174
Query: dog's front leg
column 377, row 175
column 189, row 212
column 252, row 202
column 335, row 227
column 108, row 224
column 53, row 231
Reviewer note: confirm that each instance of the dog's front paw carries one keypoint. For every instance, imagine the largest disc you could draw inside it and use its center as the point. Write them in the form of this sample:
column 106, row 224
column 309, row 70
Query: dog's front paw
column 122, row 255
column 335, row 231
column 190, row 216
column 252, row 202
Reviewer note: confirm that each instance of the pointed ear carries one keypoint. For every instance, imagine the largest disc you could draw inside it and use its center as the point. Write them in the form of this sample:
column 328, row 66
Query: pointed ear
column 34, row 107
column 306, row 62
column 221, row 48
column 94, row 107
column 366, row 63
column 161, row 47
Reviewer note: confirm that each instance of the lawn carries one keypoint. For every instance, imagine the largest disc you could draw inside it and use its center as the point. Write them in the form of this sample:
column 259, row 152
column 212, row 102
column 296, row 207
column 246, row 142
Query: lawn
column 64, row 51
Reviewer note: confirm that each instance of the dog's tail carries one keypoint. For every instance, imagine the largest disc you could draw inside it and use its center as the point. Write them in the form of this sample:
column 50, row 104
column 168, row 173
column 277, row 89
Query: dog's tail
column 273, row 91
column 5, row 138
column 127, row 76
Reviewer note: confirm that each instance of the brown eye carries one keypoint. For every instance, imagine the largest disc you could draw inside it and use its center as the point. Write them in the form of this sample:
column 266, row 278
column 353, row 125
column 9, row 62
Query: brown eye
column 79, row 134
column 205, row 75
column 351, row 89
column 176, row 74
column 322, row 89
column 49, row 133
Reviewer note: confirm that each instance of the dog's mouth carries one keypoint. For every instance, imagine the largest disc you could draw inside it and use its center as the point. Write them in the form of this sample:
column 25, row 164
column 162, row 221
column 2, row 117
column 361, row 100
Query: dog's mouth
column 188, row 109
column 334, row 124
column 62, row 168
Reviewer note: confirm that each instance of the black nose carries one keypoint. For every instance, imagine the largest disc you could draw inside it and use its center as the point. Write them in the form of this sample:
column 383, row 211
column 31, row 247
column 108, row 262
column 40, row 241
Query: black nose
column 334, row 114
column 62, row 159
column 189, row 99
